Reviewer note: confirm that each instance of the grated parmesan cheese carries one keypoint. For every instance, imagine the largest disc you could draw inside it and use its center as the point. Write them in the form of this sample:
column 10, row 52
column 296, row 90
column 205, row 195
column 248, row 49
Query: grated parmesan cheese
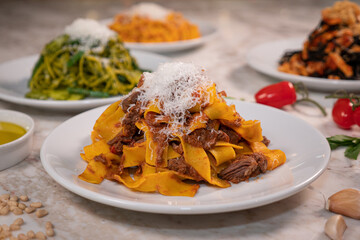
column 89, row 31
column 173, row 86
column 150, row 10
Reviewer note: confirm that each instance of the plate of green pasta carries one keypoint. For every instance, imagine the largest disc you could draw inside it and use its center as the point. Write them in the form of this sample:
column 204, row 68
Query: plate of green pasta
column 85, row 67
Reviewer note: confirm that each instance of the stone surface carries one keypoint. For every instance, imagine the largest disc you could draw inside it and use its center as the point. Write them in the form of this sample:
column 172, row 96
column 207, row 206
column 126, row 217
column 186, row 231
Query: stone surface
column 27, row 25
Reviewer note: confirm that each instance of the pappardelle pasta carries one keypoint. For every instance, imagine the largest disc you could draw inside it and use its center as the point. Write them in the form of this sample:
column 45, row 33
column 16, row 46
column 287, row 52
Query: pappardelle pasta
column 173, row 132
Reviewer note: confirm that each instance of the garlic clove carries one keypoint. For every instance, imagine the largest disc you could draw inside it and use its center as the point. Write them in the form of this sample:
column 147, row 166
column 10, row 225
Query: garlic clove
column 345, row 202
column 335, row 227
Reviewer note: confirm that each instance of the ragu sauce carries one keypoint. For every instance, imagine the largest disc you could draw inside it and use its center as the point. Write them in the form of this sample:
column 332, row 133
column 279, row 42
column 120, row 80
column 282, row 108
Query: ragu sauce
column 10, row 132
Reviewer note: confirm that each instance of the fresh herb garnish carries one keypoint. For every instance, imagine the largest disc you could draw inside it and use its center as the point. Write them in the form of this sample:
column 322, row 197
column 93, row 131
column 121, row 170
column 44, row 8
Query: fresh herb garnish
column 85, row 92
column 122, row 79
column 352, row 143
column 75, row 58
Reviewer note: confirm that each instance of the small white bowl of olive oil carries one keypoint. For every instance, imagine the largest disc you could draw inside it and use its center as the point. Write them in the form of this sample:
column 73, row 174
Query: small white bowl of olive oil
column 16, row 137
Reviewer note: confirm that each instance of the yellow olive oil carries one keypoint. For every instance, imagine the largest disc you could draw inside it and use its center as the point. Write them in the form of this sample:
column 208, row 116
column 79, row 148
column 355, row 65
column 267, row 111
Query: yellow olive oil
column 10, row 132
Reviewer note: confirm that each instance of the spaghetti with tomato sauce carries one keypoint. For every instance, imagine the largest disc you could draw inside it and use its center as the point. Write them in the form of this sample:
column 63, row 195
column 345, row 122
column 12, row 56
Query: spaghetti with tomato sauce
column 151, row 23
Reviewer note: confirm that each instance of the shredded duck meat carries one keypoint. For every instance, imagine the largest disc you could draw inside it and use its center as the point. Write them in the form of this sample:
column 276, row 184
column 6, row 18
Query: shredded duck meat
column 245, row 167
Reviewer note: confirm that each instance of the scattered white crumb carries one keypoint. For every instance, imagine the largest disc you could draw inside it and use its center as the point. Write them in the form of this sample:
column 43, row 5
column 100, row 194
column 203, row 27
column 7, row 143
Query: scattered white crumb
column 150, row 10
column 89, row 31
column 173, row 86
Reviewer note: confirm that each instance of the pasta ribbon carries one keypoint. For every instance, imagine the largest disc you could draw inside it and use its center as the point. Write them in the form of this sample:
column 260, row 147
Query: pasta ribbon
column 212, row 94
column 166, row 183
column 97, row 148
column 198, row 159
column 222, row 154
column 151, row 108
column 227, row 144
column 245, row 149
column 250, row 130
column 151, row 155
column 275, row 157
column 171, row 153
column 196, row 108
column 220, row 110
column 134, row 155
column 198, row 121
column 108, row 124
column 94, row 173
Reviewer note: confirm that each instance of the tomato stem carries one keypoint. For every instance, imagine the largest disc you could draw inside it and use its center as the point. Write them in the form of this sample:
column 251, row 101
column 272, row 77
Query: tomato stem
column 322, row 109
column 303, row 91
column 354, row 99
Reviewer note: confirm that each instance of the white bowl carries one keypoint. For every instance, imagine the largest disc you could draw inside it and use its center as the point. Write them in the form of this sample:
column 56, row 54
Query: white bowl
column 14, row 152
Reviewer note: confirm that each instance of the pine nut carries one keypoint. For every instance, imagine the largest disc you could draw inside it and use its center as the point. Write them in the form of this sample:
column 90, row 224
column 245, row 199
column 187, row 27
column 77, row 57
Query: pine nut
column 40, row 236
column 17, row 211
column 21, row 206
column 14, row 227
column 19, row 221
column 5, row 227
column 5, row 196
column 30, row 234
column 5, row 210
column 14, row 198
column 50, row 232
column 29, row 210
column 2, row 235
column 8, row 234
column 48, row 225
column 41, row 213
column 12, row 208
column 12, row 203
column 22, row 236
column 5, row 234
column 24, row 198
column 36, row 204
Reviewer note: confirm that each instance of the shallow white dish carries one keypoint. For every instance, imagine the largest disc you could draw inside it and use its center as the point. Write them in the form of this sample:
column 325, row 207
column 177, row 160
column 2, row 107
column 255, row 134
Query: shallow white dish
column 265, row 57
column 14, row 76
column 14, row 152
column 207, row 33
column 306, row 148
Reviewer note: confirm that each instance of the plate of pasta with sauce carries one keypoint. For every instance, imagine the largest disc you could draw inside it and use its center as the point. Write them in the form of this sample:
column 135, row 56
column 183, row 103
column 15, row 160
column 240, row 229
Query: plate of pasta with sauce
column 84, row 67
column 174, row 145
column 151, row 27
column 326, row 60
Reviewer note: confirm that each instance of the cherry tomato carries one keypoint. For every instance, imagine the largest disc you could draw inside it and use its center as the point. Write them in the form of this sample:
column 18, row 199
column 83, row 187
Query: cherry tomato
column 277, row 95
column 342, row 113
column 357, row 116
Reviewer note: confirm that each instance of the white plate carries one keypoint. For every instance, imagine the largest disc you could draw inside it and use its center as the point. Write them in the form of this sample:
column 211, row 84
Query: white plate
column 306, row 148
column 265, row 57
column 207, row 33
column 15, row 74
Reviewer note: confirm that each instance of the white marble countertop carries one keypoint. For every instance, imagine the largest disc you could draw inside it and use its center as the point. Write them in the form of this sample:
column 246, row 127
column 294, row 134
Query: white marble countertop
column 27, row 25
